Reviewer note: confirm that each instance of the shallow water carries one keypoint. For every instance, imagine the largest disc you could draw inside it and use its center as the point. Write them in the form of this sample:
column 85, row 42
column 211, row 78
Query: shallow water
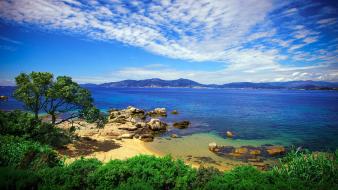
column 287, row 117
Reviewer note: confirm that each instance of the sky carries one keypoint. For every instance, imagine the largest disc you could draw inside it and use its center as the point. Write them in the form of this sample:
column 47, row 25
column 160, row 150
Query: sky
column 209, row 41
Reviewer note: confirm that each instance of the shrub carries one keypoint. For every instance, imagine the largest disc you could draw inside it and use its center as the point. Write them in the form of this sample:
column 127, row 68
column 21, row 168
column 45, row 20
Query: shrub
column 73, row 176
column 17, row 123
column 11, row 178
column 313, row 168
column 19, row 153
column 23, row 124
column 159, row 173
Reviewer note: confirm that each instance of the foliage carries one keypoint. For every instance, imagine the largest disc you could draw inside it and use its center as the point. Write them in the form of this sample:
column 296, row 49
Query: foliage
column 39, row 91
column 31, row 90
column 73, row 176
column 66, row 96
column 93, row 114
column 11, row 178
column 160, row 173
column 148, row 172
column 316, row 168
column 23, row 124
column 19, row 153
column 17, row 123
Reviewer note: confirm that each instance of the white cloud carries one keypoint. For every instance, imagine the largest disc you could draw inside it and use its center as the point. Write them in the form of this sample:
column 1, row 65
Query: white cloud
column 217, row 30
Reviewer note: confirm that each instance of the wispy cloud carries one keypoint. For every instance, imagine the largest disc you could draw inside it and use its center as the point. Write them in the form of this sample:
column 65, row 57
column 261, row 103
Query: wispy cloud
column 248, row 36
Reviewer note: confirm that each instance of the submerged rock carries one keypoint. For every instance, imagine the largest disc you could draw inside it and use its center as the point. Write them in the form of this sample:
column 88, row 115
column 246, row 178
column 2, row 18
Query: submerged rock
column 229, row 134
column 181, row 124
column 3, row 98
column 174, row 136
column 247, row 153
column 174, row 112
column 275, row 150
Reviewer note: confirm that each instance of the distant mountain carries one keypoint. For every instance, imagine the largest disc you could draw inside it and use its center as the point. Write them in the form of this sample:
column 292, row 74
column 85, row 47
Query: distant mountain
column 186, row 83
column 153, row 83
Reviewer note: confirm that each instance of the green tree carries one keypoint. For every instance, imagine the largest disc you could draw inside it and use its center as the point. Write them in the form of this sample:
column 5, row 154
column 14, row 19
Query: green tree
column 66, row 96
column 39, row 91
column 31, row 90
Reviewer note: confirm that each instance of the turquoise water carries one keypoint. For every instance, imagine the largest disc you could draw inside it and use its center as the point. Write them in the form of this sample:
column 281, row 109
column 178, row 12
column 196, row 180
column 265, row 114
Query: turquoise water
column 290, row 117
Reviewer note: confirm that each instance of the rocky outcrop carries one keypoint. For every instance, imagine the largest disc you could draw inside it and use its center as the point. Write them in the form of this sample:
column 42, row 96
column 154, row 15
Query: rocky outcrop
column 133, row 121
column 181, row 124
column 158, row 112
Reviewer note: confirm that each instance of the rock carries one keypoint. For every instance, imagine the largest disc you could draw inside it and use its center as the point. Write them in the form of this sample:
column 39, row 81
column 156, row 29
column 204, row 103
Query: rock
column 241, row 150
column 255, row 152
column 3, row 98
column 212, row 146
column 126, row 136
column 119, row 119
column 132, row 110
column 174, row 112
column 229, row 134
column 141, row 125
column 157, row 125
column 275, row 150
column 146, row 137
column 174, row 136
column 181, row 124
column 158, row 112
column 128, row 127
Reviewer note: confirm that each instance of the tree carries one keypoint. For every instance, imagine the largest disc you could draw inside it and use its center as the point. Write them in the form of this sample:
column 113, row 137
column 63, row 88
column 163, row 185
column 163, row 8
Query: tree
column 38, row 91
column 31, row 90
column 65, row 96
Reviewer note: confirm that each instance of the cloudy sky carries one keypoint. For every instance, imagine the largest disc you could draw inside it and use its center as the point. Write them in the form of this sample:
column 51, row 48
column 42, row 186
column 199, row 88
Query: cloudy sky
column 209, row 41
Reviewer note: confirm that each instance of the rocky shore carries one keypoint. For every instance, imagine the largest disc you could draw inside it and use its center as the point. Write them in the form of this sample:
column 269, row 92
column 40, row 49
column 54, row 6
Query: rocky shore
column 128, row 129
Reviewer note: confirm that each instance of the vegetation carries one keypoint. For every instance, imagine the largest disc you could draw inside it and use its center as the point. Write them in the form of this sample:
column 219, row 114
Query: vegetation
column 40, row 92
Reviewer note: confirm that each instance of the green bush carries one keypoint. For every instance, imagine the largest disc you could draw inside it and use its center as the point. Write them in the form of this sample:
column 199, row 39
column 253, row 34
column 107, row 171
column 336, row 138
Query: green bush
column 17, row 123
column 313, row 168
column 23, row 124
column 160, row 173
column 11, row 178
column 20, row 153
column 73, row 176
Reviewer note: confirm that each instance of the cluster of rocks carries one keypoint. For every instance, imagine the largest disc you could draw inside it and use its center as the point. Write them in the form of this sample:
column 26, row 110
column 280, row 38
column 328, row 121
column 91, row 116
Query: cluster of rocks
column 248, row 153
column 137, row 123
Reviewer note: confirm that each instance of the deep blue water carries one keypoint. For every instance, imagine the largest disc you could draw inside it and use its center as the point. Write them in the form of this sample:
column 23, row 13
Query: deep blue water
column 305, row 118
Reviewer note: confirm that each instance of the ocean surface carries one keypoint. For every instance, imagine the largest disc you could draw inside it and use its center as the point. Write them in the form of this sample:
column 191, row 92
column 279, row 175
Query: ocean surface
column 256, row 116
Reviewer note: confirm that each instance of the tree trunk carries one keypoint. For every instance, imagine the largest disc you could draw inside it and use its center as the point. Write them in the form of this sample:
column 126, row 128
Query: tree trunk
column 36, row 115
column 53, row 118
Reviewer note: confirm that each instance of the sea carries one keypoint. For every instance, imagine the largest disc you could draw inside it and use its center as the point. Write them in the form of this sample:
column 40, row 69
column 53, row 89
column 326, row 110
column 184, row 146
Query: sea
column 293, row 118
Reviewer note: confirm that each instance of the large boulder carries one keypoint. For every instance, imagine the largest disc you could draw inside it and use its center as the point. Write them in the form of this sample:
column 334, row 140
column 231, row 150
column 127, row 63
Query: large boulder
column 158, row 112
column 181, row 124
column 157, row 125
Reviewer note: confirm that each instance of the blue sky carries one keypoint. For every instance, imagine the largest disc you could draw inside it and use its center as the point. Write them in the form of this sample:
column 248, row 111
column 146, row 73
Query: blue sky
column 209, row 41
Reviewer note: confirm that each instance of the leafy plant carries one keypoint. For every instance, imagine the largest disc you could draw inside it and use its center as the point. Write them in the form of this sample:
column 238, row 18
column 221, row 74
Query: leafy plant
column 19, row 153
